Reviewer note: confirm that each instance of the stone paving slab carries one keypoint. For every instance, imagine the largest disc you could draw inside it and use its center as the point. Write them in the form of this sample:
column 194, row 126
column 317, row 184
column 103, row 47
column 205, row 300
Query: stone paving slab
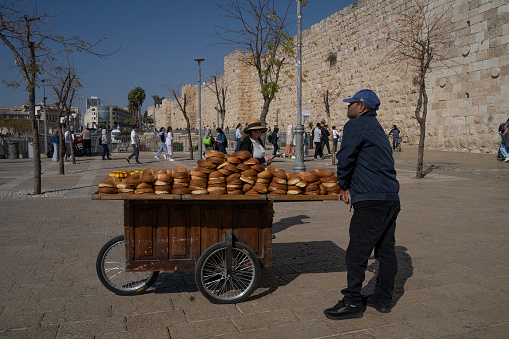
column 452, row 247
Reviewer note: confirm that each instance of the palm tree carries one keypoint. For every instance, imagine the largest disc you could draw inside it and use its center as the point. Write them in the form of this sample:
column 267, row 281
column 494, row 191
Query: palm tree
column 135, row 99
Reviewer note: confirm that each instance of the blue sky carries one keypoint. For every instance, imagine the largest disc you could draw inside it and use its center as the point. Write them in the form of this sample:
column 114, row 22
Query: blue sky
column 159, row 41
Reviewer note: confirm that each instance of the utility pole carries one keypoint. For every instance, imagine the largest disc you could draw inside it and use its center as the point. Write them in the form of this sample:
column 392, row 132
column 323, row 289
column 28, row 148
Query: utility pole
column 299, row 129
column 44, row 112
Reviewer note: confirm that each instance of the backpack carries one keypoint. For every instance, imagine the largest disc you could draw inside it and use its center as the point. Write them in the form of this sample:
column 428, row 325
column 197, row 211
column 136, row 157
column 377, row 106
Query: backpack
column 162, row 137
column 100, row 142
column 270, row 138
column 225, row 141
column 235, row 136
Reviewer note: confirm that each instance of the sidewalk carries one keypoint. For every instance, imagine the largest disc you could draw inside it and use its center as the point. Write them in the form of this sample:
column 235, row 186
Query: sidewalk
column 452, row 245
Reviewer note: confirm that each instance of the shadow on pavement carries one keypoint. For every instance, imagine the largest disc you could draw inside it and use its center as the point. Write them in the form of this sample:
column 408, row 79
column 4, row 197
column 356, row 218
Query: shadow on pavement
column 289, row 260
column 285, row 223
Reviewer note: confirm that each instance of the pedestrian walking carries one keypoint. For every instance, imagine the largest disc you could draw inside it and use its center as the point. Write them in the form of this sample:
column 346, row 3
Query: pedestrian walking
column 367, row 180
column 105, row 141
column 162, row 139
column 325, row 137
column 335, row 137
column 305, row 143
column 87, row 142
column 275, row 140
column 504, row 145
column 135, row 143
column 316, row 134
column 395, row 136
column 501, row 130
column 67, row 140
column 54, row 141
column 169, row 144
column 220, row 143
column 237, row 137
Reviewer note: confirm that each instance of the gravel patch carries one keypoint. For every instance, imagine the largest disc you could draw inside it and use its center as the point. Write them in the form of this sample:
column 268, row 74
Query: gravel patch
column 28, row 195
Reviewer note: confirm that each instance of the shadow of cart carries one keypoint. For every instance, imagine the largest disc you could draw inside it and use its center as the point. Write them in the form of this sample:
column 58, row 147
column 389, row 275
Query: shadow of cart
column 290, row 260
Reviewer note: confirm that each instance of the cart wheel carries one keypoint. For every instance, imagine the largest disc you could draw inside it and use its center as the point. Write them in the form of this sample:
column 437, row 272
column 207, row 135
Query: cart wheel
column 212, row 277
column 111, row 269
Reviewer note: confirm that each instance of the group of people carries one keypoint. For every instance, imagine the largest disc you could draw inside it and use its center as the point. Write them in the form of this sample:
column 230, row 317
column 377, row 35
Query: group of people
column 320, row 135
column 166, row 140
column 104, row 141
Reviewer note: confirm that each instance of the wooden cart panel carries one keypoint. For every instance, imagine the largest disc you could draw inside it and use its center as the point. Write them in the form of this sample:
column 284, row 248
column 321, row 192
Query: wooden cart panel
column 171, row 235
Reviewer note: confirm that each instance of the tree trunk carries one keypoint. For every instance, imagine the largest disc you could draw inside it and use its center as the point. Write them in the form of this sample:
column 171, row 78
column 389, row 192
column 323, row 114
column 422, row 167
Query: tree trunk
column 190, row 140
column 265, row 110
column 35, row 135
column 422, row 128
column 61, row 150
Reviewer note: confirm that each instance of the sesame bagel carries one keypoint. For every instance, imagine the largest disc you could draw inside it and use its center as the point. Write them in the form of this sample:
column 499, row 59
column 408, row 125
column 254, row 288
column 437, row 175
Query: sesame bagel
column 322, row 173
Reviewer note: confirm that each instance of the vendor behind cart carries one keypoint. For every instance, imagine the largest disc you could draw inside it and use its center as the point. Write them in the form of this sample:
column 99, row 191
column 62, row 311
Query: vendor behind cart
column 252, row 142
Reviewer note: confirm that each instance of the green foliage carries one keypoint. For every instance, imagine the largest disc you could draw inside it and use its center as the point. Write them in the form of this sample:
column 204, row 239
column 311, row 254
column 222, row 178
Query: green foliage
column 157, row 100
column 332, row 58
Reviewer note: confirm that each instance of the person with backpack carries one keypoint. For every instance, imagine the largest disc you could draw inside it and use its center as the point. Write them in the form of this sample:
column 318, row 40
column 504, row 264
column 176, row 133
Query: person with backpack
column 237, row 136
column 220, row 143
column 162, row 139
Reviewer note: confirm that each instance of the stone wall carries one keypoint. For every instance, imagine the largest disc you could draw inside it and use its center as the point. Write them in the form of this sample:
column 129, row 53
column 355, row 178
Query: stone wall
column 468, row 96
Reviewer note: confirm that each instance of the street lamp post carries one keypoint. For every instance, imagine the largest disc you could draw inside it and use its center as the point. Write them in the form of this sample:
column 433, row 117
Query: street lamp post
column 44, row 112
column 199, row 60
column 299, row 129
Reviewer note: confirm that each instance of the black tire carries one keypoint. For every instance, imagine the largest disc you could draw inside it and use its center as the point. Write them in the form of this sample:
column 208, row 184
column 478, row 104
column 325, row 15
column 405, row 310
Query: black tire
column 49, row 153
column 110, row 267
column 211, row 276
column 79, row 152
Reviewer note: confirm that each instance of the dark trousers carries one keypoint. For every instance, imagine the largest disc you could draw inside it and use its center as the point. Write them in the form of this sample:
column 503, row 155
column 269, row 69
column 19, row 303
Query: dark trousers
column 318, row 149
column 87, row 147
column 325, row 142
column 372, row 227
column 106, row 151
column 135, row 152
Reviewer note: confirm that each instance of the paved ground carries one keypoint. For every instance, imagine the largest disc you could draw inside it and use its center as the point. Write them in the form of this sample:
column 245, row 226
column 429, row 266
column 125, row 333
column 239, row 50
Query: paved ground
column 452, row 243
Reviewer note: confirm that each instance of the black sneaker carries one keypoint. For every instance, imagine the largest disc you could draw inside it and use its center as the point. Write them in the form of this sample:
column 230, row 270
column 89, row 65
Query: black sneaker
column 128, row 160
column 343, row 311
column 138, row 162
column 371, row 301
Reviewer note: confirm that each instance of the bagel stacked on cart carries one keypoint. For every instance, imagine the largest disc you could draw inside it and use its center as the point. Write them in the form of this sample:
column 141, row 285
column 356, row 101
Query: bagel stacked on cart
column 220, row 174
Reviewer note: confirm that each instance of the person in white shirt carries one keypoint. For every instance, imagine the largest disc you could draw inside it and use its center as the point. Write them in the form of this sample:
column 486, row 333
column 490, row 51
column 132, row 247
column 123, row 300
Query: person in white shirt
column 135, row 142
column 67, row 138
column 169, row 144
column 335, row 136
column 238, row 137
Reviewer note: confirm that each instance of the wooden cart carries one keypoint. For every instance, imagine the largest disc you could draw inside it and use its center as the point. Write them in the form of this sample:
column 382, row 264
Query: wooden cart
column 225, row 238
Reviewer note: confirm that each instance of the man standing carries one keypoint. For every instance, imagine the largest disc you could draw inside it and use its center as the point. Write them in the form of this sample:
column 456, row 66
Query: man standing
column 367, row 180
column 87, row 142
column 316, row 134
column 162, row 139
column 135, row 142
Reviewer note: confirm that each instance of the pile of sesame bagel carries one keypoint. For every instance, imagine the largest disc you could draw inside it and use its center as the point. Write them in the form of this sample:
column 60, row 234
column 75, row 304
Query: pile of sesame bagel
column 219, row 173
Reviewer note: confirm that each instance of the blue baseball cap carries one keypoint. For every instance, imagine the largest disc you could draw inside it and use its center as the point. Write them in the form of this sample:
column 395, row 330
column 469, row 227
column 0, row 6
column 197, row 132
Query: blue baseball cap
column 367, row 97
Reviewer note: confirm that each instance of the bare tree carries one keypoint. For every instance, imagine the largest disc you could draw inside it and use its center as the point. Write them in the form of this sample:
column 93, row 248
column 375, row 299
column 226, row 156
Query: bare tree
column 182, row 103
column 419, row 44
column 64, row 85
column 257, row 29
column 26, row 32
column 219, row 88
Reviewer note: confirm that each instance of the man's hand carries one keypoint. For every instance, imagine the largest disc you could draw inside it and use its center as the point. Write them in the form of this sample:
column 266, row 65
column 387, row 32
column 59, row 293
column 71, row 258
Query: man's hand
column 343, row 195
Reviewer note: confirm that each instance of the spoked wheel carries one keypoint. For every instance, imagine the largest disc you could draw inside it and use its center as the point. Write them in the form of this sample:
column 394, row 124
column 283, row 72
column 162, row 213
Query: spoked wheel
column 224, row 283
column 111, row 269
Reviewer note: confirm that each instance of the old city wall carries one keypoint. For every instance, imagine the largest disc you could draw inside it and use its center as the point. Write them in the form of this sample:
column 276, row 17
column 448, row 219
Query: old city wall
column 468, row 95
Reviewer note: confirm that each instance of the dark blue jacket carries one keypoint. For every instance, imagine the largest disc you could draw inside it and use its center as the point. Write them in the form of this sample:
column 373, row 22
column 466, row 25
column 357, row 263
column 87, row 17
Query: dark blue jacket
column 365, row 163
